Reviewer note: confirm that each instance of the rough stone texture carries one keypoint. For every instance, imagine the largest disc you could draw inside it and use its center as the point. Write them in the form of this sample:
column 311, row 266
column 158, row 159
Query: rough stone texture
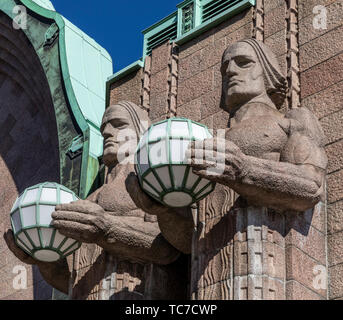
column 196, row 86
column 159, row 81
column 296, row 291
column 335, row 156
column 127, row 88
column 335, row 244
column 332, row 126
column 159, row 89
column 272, row 4
column 159, row 57
column 228, row 27
column 321, row 83
column 335, row 187
column 322, row 76
column 272, row 21
column 325, row 102
column 306, row 7
column 277, row 42
column 158, row 105
column 307, row 239
column 336, row 281
column 299, row 269
column 191, row 110
column 321, row 48
column 335, row 217
column 334, row 19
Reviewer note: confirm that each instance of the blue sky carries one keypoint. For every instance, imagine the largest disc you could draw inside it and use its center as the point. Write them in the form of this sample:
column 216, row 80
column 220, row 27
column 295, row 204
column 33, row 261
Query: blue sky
column 116, row 24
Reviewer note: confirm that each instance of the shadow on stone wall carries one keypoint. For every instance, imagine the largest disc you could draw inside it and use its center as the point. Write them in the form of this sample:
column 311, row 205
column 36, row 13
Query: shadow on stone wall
column 29, row 149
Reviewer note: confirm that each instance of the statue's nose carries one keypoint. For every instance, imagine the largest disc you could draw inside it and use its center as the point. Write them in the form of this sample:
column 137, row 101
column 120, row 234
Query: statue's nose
column 231, row 69
column 107, row 132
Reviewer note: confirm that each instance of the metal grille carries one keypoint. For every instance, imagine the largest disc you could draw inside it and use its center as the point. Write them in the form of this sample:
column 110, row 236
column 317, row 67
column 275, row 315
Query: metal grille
column 168, row 33
column 216, row 7
column 187, row 18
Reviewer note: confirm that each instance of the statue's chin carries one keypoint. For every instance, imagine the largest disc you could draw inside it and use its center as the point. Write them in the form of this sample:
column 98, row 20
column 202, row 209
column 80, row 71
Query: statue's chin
column 109, row 159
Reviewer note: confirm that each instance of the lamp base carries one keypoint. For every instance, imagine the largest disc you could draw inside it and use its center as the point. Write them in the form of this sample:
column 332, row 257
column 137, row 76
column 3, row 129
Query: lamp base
column 46, row 255
column 177, row 199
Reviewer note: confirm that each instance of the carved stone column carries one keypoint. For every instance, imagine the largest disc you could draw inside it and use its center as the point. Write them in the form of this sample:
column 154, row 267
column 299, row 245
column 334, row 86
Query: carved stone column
column 259, row 255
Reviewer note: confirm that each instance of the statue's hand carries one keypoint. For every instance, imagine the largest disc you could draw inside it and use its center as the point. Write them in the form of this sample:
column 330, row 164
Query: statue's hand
column 142, row 200
column 81, row 220
column 217, row 160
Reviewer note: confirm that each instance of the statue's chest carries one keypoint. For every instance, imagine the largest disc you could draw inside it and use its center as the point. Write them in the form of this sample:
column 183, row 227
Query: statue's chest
column 114, row 196
column 258, row 136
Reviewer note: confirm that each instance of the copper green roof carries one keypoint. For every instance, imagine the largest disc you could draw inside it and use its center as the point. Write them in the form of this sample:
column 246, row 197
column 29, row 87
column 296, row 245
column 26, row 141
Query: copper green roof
column 85, row 67
column 45, row 4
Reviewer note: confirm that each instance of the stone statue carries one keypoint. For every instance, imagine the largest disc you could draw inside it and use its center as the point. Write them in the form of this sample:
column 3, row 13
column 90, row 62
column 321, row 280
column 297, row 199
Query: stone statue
column 119, row 216
column 270, row 159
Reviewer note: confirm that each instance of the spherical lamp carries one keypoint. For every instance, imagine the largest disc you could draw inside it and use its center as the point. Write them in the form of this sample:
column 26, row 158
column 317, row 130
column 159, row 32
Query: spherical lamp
column 31, row 218
column 161, row 165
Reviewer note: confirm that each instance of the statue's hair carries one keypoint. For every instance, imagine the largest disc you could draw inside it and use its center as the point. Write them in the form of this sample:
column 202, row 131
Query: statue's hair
column 276, row 83
column 139, row 117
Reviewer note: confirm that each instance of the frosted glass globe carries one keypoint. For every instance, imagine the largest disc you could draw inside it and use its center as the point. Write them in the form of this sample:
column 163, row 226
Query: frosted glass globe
column 162, row 167
column 31, row 219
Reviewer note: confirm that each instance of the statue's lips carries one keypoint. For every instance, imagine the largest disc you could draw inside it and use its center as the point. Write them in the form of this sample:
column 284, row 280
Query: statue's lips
column 109, row 143
column 234, row 82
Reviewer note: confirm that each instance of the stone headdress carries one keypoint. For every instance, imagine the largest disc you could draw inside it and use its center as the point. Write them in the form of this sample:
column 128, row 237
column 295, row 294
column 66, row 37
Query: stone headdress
column 275, row 81
column 139, row 117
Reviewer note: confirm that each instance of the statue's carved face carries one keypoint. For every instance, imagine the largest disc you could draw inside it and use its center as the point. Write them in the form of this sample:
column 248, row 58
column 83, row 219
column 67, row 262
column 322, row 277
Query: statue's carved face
column 242, row 73
column 114, row 134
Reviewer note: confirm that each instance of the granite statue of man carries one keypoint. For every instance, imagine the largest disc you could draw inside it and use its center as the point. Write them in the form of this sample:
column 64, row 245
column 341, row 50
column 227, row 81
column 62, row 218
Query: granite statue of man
column 276, row 165
column 270, row 159
column 119, row 216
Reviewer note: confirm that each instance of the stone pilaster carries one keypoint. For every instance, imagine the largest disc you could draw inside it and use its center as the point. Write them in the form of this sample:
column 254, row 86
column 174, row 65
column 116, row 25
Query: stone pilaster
column 293, row 96
column 258, row 21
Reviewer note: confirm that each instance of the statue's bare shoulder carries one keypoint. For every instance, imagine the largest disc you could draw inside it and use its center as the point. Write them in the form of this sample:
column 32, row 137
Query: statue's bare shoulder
column 306, row 142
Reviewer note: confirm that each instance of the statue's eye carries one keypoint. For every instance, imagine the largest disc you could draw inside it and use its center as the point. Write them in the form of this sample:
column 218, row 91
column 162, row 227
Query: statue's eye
column 119, row 123
column 243, row 62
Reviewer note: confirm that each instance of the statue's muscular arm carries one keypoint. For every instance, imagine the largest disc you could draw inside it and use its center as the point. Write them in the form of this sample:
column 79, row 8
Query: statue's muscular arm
column 294, row 183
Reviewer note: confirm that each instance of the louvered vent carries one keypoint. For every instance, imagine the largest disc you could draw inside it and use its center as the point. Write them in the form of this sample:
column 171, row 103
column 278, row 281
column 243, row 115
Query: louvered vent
column 187, row 18
column 167, row 33
column 213, row 8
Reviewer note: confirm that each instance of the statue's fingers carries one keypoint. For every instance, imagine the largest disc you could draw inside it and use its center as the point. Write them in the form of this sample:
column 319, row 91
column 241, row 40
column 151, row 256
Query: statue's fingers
column 220, row 144
column 202, row 164
column 190, row 150
column 205, row 173
column 72, row 206
column 212, row 156
column 72, row 216
column 76, row 230
column 83, row 206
